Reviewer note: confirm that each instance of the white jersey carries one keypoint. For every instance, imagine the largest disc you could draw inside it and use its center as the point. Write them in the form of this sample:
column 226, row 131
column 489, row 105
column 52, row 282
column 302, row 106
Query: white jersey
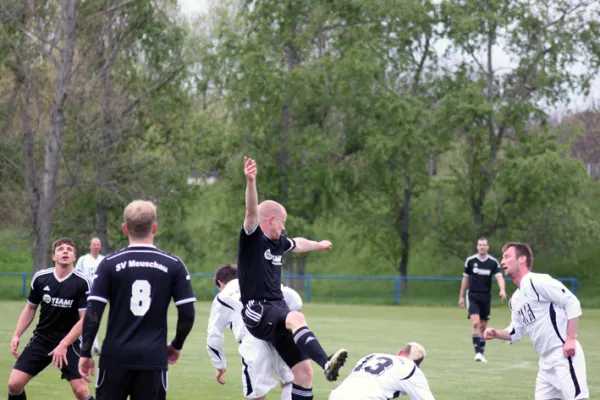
column 381, row 376
column 226, row 311
column 541, row 308
column 88, row 264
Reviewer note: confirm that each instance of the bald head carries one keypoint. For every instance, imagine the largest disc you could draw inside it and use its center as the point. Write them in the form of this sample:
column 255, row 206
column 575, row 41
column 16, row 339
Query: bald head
column 270, row 208
column 95, row 246
column 140, row 219
column 272, row 217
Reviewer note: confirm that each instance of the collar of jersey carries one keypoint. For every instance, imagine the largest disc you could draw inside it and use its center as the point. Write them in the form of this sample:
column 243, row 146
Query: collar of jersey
column 142, row 245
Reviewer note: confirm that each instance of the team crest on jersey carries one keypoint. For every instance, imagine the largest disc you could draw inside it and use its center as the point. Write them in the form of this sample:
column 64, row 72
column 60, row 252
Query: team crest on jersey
column 57, row 302
column 275, row 260
column 479, row 271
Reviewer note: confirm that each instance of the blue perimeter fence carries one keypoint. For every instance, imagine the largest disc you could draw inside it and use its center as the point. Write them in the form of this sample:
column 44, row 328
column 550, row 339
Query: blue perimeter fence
column 308, row 278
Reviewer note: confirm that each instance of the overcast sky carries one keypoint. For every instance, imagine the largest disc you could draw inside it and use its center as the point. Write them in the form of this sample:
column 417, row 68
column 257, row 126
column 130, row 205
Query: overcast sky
column 191, row 7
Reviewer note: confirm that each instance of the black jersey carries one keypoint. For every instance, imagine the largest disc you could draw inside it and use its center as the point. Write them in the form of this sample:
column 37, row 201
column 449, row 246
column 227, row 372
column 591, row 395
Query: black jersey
column 480, row 272
column 61, row 301
column 138, row 282
column 259, row 265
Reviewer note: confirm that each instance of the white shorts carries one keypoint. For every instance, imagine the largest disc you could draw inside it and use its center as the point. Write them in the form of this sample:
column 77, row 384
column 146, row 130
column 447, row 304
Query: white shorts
column 560, row 377
column 261, row 365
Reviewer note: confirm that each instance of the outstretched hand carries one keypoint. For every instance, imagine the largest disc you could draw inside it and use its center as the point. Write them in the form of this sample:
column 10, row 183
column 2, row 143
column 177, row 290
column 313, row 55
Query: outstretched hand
column 323, row 245
column 250, row 169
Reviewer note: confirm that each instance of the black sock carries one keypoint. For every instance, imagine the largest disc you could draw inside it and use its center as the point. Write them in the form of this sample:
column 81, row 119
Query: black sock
column 301, row 393
column 482, row 344
column 20, row 396
column 309, row 345
column 476, row 343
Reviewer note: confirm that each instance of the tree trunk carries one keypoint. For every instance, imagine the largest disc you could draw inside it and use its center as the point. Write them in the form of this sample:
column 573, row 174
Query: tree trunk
column 107, row 141
column 405, row 236
column 45, row 210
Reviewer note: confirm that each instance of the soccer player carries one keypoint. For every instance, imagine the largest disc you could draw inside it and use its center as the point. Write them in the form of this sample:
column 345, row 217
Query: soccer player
column 62, row 293
column 380, row 376
column 545, row 310
column 259, row 358
column 261, row 246
column 138, row 282
column 477, row 276
column 88, row 264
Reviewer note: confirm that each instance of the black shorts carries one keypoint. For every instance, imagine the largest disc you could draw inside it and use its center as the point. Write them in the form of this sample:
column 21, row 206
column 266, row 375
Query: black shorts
column 479, row 303
column 117, row 384
column 34, row 358
column 265, row 320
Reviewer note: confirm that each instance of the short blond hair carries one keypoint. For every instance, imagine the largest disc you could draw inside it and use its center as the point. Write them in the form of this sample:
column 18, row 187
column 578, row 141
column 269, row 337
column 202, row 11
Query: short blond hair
column 140, row 217
column 415, row 352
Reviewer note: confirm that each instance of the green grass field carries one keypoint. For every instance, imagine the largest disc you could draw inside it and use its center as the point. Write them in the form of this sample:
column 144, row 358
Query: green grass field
column 445, row 333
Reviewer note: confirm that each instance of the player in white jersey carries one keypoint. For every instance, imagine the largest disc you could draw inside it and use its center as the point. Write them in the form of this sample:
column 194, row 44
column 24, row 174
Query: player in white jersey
column 380, row 376
column 544, row 309
column 260, row 360
column 88, row 264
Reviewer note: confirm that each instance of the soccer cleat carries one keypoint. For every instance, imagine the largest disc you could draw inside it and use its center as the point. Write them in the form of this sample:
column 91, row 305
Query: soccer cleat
column 480, row 358
column 336, row 361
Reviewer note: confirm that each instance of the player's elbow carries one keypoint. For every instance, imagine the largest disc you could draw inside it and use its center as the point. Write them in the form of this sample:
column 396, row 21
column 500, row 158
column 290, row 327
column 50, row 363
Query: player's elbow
column 186, row 313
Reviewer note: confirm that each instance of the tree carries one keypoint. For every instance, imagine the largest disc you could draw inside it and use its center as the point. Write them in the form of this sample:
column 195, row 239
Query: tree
column 495, row 102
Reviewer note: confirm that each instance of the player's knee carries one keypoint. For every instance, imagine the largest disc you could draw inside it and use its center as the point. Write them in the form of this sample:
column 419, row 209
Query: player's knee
column 475, row 324
column 80, row 389
column 14, row 386
column 15, row 383
column 303, row 373
column 295, row 320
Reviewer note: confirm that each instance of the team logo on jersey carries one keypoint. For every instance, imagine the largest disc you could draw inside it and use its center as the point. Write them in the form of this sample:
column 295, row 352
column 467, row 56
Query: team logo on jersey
column 526, row 314
column 475, row 265
column 275, row 260
column 47, row 289
column 57, row 302
column 480, row 271
column 268, row 255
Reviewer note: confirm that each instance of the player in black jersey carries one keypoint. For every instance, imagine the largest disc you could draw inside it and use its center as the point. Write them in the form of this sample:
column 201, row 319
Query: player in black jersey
column 477, row 276
column 62, row 293
column 262, row 244
column 138, row 282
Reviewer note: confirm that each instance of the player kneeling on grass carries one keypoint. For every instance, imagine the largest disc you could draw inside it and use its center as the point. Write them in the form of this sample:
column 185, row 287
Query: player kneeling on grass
column 380, row 376
column 259, row 358
column 62, row 293
column 548, row 312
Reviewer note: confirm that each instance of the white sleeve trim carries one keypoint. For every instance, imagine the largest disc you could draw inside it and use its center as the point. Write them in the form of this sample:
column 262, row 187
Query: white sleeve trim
column 81, row 309
column 33, row 304
column 98, row 298
column 185, row 301
column 251, row 231
column 498, row 273
column 465, row 274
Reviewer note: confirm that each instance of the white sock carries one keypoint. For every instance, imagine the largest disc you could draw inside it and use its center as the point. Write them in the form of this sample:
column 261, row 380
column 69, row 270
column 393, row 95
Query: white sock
column 286, row 392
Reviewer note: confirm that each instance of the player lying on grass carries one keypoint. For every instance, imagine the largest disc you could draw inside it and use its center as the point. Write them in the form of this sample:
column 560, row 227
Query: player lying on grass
column 380, row 376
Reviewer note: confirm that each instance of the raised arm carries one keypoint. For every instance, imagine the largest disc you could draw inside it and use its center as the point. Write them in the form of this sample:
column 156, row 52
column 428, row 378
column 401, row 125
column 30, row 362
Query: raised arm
column 251, row 218
column 305, row 245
